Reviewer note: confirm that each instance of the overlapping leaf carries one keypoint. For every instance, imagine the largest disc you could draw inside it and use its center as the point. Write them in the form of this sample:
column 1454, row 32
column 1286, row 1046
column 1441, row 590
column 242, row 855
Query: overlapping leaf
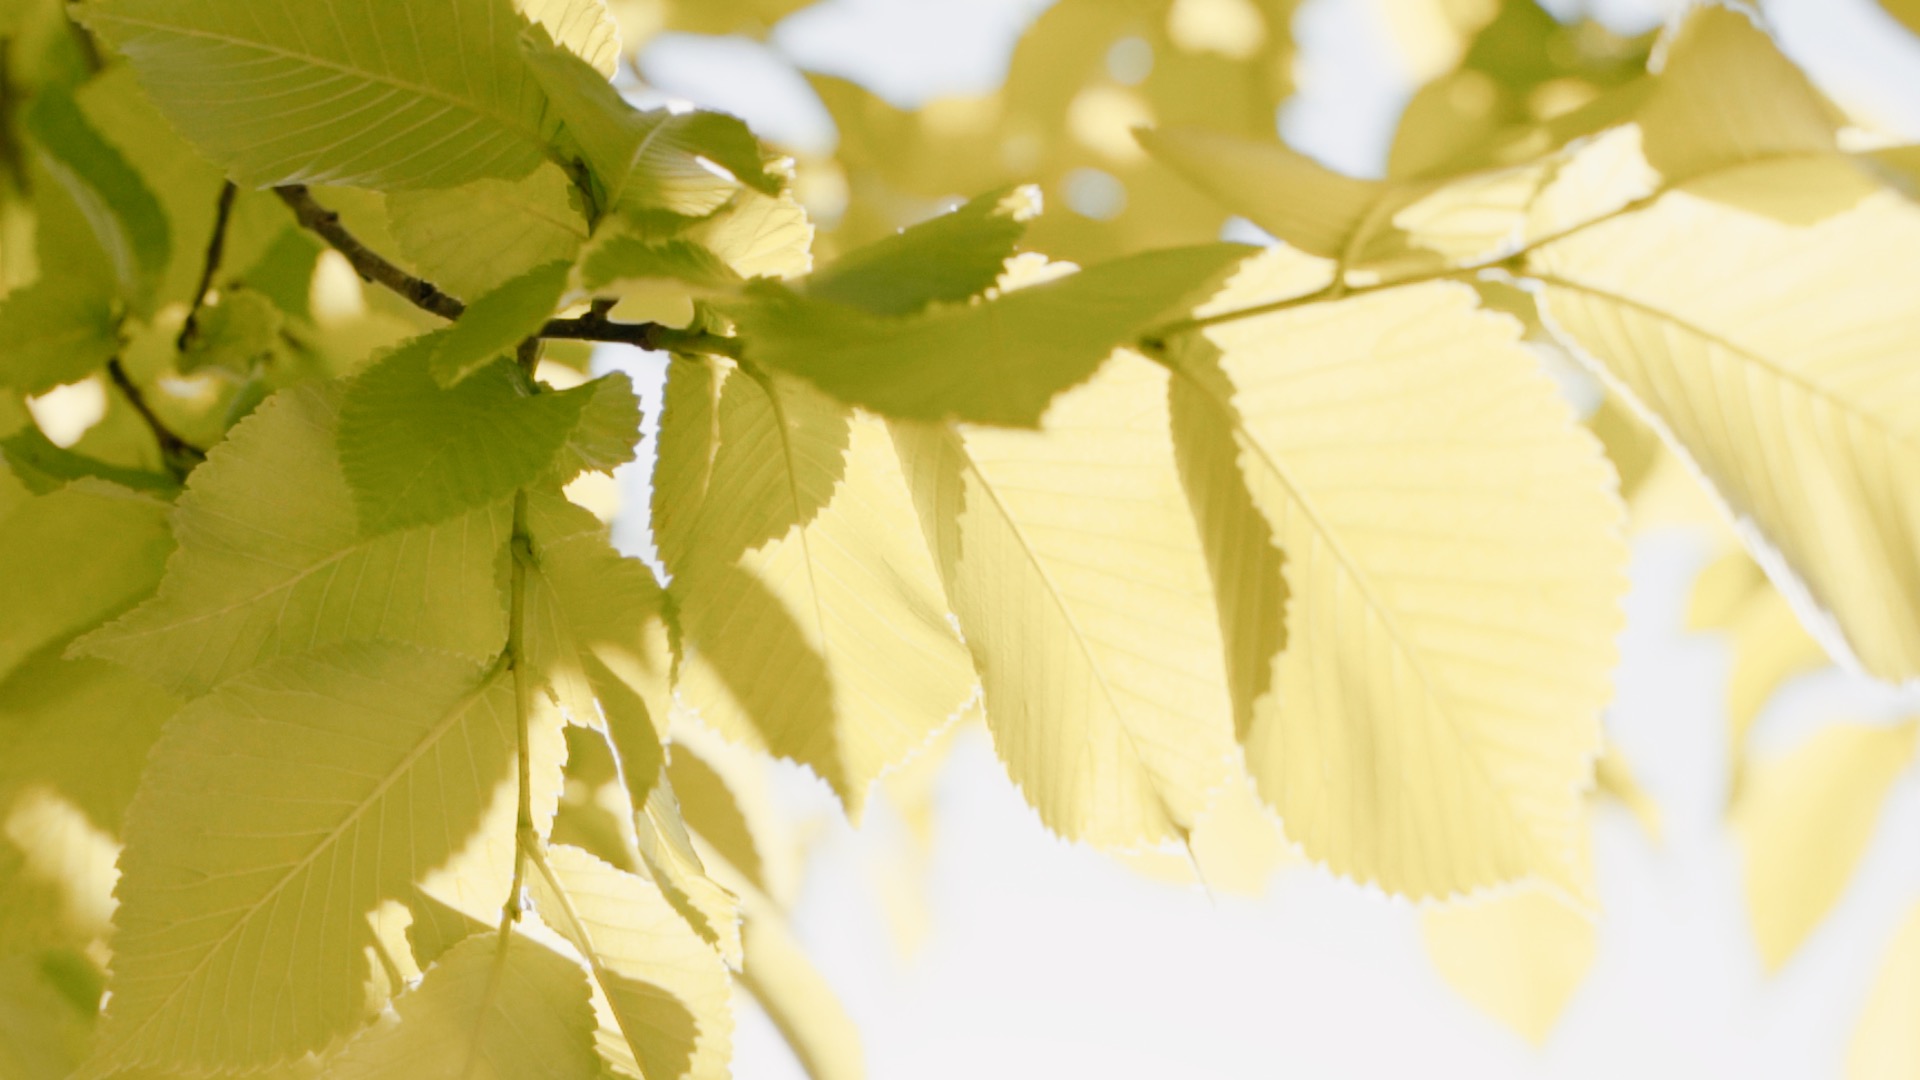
column 811, row 613
column 1454, row 570
column 1082, row 591
column 274, row 814
column 272, row 561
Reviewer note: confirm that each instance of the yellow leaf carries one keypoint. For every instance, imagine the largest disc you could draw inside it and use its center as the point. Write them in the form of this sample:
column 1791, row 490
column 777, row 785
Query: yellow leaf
column 1455, row 569
column 1773, row 354
column 1886, row 1044
column 812, row 620
column 1518, row 957
column 1804, row 821
column 1081, row 587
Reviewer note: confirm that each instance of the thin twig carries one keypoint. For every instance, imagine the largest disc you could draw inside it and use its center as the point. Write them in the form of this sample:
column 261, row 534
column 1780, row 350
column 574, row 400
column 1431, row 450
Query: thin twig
column 368, row 263
column 216, row 246
column 524, row 687
column 424, row 294
column 179, row 455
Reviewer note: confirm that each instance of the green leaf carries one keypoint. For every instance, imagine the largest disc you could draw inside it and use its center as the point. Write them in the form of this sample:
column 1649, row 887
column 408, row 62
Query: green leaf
column 1454, row 572
column 945, row 259
column 236, row 334
column 474, row 238
column 623, row 260
column 653, row 160
column 334, row 92
column 44, row 467
column 56, row 330
column 1082, row 590
column 810, row 612
column 274, row 814
column 416, row 452
column 497, row 322
column 126, row 218
column 584, row 28
column 72, row 558
column 668, row 993
column 272, row 561
column 484, row 1011
column 999, row 361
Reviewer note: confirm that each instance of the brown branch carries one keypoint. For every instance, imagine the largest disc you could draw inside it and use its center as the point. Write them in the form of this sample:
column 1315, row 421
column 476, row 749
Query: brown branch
column 593, row 326
column 216, row 247
column 179, row 455
column 368, row 263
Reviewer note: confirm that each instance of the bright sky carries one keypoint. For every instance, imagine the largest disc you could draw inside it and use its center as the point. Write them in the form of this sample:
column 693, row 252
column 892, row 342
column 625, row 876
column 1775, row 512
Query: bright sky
column 1042, row 960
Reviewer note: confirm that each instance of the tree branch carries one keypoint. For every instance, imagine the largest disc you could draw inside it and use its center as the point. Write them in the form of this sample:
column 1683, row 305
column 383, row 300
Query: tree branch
column 368, row 263
column 593, row 326
column 179, row 455
column 216, row 246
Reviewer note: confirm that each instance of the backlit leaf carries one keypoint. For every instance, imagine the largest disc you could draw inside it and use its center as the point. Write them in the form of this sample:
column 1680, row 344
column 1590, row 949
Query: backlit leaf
column 474, row 238
column 497, row 322
column 272, row 561
column 1082, row 590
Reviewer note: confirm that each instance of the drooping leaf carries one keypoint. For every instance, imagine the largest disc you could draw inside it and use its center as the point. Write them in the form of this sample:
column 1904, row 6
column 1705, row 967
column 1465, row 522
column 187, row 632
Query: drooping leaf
column 667, row 990
column 1769, row 354
column 653, row 160
column 72, row 558
column 127, row 220
column 416, row 452
column 810, row 612
column 56, row 330
column 271, row 561
column 496, row 322
column 486, row 1010
column 999, row 361
column 1804, row 821
column 1518, row 957
column 1886, row 1044
column 334, row 92
column 474, row 238
column 1081, row 587
column 274, row 814
column 800, row 1001
column 1454, row 569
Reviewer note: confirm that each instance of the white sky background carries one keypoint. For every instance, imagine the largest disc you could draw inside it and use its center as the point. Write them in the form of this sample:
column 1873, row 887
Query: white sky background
column 1045, row 960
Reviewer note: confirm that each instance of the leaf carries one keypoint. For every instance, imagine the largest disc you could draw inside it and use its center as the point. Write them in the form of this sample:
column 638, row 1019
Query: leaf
column 43, row 1032
column 127, row 220
column 487, row 1010
column 668, row 992
column 1283, row 191
column 653, row 160
column 584, row 28
column 1804, row 821
column 72, row 558
column 334, row 92
column 416, row 452
column 497, row 322
column 1727, row 95
column 474, row 238
column 271, row 561
column 948, row 258
column 1906, row 11
column 274, row 814
column 1518, row 957
column 1082, row 591
column 74, row 736
column 758, row 235
column 1886, row 1044
column 1454, row 570
column 1768, row 353
column 1768, row 643
column 54, row 331
column 800, row 1002
column 623, row 260
column 810, row 612
column 236, row 334
column 999, row 361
